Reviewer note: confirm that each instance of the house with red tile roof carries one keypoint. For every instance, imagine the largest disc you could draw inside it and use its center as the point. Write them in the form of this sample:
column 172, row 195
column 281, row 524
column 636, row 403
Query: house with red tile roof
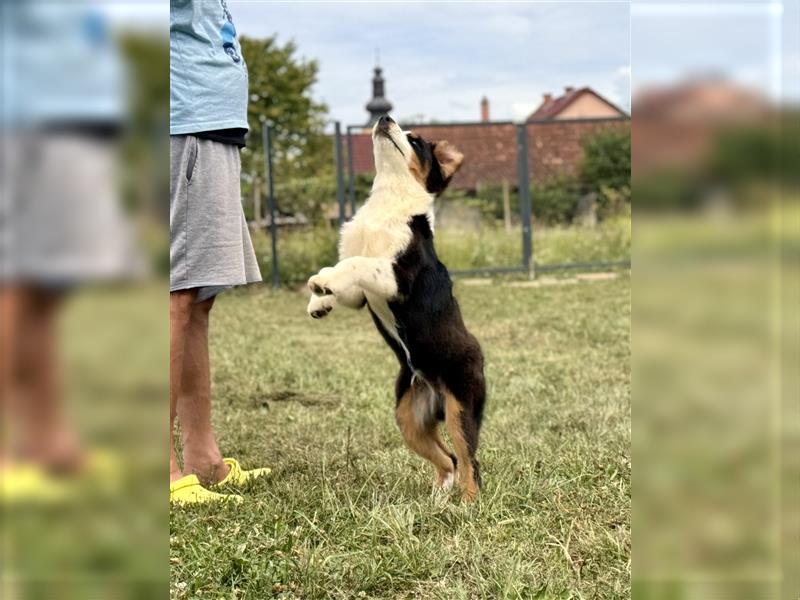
column 580, row 103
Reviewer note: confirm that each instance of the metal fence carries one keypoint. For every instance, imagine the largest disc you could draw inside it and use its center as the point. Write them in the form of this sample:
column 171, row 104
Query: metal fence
column 511, row 154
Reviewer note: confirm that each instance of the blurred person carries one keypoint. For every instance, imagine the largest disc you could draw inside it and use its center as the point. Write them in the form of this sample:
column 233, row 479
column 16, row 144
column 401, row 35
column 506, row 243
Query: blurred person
column 61, row 226
column 210, row 246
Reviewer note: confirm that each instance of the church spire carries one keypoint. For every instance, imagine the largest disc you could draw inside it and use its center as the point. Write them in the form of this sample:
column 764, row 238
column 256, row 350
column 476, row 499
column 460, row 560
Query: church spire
column 379, row 105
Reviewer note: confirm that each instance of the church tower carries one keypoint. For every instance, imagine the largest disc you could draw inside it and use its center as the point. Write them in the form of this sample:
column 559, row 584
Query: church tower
column 379, row 105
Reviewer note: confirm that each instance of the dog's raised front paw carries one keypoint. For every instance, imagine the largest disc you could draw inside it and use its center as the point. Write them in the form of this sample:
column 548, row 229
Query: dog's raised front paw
column 320, row 306
column 319, row 283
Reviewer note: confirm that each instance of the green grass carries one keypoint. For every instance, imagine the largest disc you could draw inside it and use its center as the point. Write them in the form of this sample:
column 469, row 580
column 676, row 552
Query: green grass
column 493, row 246
column 304, row 251
column 348, row 510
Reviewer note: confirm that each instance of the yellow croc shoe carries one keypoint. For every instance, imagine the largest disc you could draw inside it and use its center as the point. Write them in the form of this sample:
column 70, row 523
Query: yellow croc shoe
column 187, row 490
column 28, row 483
column 238, row 476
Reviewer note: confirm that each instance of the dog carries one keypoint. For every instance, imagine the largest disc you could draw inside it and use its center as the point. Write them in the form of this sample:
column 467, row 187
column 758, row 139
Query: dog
column 388, row 262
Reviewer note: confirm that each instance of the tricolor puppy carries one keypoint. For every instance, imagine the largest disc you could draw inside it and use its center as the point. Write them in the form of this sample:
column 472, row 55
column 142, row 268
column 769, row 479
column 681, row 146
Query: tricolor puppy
column 387, row 261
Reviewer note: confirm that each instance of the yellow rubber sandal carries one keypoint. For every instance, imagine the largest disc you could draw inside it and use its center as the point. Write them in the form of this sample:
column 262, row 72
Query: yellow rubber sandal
column 187, row 490
column 28, row 483
column 238, row 476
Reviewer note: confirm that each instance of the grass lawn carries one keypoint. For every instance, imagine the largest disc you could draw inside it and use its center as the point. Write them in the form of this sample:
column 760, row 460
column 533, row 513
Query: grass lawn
column 348, row 510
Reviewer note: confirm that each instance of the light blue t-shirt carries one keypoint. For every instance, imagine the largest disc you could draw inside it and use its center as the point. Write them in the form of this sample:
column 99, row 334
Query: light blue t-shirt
column 207, row 72
column 60, row 65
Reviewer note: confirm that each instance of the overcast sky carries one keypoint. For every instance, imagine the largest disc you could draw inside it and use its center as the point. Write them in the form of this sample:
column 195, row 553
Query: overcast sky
column 754, row 43
column 440, row 59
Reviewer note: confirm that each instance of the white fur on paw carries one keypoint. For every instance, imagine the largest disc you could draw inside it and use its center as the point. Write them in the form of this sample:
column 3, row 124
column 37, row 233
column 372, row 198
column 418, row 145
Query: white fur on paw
column 319, row 283
column 320, row 306
column 445, row 485
column 448, row 482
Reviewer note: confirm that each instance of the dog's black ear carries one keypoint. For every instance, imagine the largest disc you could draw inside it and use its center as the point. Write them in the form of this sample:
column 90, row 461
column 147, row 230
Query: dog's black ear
column 448, row 157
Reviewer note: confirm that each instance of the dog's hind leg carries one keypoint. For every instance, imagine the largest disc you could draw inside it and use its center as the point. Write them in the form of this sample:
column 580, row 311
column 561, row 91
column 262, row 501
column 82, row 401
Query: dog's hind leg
column 421, row 433
column 463, row 427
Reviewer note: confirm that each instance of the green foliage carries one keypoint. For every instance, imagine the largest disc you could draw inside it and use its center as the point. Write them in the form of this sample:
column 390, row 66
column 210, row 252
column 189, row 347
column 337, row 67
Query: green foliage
column 307, row 195
column 668, row 189
column 740, row 160
column 491, row 199
column 281, row 85
column 554, row 201
column 144, row 176
column 606, row 168
column 315, row 197
column 760, row 152
column 607, row 159
column 145, row 142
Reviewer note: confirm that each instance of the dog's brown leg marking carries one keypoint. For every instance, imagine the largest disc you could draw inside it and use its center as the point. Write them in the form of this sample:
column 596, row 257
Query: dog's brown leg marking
column 455, row 429
column 423, row 438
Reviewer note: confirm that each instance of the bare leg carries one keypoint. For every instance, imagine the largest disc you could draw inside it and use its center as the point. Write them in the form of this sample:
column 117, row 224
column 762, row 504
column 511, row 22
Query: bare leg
column 201, row 455
column 9, row 298
column 180, row 311
column 33, row 387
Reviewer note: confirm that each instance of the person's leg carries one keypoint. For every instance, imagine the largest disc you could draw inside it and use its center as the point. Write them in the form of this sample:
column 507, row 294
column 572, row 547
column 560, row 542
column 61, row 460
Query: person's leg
column 180, row 313
column 201, row 455
column 9, row 299
column 43, row 432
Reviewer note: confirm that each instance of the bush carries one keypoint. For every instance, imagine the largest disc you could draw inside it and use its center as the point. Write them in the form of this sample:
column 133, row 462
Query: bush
column 606, row 169
column 309, row 196
column 607, row 159
column 490, row 198
column 554, row 202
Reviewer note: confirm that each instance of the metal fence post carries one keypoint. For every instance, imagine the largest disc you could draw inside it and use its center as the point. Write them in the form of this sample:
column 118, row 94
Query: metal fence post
column 525, row 199
column 339, row 173
column 351, row 178
column 273, row 225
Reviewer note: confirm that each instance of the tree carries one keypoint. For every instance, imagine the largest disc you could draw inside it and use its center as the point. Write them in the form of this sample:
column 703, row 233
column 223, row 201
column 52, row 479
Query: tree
column 607, row 159
column 606, row 168
column 281, row 93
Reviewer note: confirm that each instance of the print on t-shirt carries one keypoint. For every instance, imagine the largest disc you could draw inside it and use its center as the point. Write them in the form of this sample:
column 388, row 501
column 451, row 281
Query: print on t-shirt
column 228, row 33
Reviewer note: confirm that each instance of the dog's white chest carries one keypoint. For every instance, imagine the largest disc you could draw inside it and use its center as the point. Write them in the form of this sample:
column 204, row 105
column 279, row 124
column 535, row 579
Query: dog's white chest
column 361, row 237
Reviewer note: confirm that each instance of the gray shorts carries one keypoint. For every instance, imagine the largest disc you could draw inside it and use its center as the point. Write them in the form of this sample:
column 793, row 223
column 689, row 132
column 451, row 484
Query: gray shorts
column 61, row 219
column 210, row 246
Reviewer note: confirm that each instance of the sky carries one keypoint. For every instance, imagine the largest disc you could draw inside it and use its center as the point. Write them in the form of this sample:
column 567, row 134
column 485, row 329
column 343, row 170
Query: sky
column 440, row 59
column 752, row 43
